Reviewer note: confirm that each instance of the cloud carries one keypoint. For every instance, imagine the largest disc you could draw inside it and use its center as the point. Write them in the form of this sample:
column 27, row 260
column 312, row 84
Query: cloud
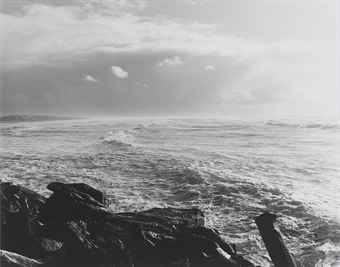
column 44, row 34
column 119, row 72
column 209, row 67
column 114, row 5
column 90, row 78
column 49, row 34
column 171, row 61
column 101, row 6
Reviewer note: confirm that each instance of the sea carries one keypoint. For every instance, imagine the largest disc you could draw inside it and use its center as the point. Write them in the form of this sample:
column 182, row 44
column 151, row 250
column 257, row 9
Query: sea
column 232, row 170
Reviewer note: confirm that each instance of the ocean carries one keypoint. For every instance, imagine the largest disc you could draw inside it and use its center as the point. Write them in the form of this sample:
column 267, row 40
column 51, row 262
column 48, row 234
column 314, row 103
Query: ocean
column 232, row 170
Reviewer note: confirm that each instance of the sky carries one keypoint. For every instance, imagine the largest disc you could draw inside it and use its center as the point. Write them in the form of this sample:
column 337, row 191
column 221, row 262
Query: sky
column 244, row 59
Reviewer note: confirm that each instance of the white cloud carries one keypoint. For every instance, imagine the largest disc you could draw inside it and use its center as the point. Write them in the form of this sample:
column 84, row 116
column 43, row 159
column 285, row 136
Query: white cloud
column 43, row 34
column 209, row 67
column 90, row 78
column 171, row 61
column 119, row 72
column 47, row 34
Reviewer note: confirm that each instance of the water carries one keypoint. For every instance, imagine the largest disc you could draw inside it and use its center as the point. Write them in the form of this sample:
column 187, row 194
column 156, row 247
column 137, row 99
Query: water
column 233, row 171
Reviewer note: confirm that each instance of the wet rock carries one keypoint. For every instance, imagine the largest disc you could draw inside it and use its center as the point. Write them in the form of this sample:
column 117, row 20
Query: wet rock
column 81, row 188
column 73, row 227
column 21, row 231
column 273, row 241
column 186, row 217
column 11, row 259
column 19, row 208
column 68, row 204
column 92, row 235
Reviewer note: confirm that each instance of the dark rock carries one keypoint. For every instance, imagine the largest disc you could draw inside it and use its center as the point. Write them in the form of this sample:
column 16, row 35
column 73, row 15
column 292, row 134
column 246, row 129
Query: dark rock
column 85, row 246
column 68, row 204
column 88, row 234
column 15, row 198
column 273, row 241
column 186, row 217
column 80, row 188
column 94, row 236
column 19, row 208
column 20, row 229
column 11, row 259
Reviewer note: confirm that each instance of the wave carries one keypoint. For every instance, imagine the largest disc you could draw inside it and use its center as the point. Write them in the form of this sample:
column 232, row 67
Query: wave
column 9, row 131
column 303, row 125
column 323, row 126
column 331, row 255
column 120, row 138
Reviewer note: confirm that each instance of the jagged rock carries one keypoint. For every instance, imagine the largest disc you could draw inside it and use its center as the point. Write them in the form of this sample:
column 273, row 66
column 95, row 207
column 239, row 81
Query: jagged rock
column 273, row 241
column 188, row 217
column 20, row 228
column 88, row 234
column 80, row 188
column 19, row 207
column 11, row 259
column 68, row 203
column 93, row 236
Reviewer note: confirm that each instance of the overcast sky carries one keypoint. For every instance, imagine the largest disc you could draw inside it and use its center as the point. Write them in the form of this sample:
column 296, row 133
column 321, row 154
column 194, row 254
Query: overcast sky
column 233, row 58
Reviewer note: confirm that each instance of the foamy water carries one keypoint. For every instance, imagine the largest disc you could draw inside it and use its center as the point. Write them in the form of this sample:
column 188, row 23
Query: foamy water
column 233, row 171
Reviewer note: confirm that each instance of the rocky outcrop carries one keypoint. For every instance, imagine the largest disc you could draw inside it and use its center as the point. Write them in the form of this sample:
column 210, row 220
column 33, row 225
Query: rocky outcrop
column 273, row 241
column 84, row 232
column 11, row 259
column 20, row 228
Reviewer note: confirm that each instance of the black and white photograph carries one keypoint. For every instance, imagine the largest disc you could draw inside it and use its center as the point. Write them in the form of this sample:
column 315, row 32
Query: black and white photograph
column 170, row 133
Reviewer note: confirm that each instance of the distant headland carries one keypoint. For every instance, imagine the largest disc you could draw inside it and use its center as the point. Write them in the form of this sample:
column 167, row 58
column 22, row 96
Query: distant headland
column 32, row 118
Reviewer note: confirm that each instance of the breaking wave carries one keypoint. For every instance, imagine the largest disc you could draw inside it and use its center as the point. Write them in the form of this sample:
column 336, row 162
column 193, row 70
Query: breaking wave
column 232, row 171
column 120, row 138
column 331, row 252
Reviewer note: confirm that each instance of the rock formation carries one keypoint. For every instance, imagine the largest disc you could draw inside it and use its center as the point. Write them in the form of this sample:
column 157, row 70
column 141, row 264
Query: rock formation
column 11, row 259
column 74, row 227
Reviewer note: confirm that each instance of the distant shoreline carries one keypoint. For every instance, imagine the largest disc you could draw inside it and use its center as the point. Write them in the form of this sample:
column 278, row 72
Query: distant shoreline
column 33, row 118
